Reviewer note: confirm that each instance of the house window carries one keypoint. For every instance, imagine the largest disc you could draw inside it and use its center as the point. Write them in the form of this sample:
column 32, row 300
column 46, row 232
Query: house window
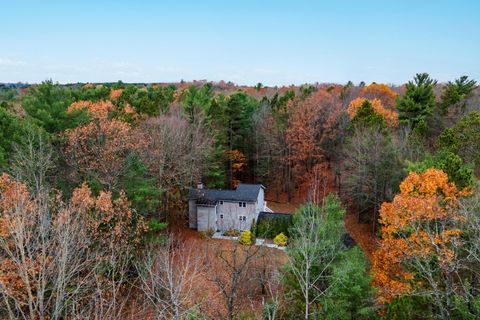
column 221, row 202
column 242, row 204
column 221, row 216
column 242, row 218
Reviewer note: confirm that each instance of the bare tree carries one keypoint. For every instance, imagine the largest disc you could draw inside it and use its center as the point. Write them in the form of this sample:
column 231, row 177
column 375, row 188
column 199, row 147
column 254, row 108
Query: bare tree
column 32, row 160
column 168, row 277
column 234, row 274
column 176, row 151
column 44, row 256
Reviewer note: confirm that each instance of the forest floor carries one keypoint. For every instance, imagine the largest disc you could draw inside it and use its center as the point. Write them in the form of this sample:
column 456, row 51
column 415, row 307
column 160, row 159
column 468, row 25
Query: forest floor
column 209, row 254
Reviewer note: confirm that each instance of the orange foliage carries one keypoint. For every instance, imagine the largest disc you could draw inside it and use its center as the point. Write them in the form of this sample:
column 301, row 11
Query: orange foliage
column 382, row 92
column 110, row 221
column 424, row 199
column 115, row 94
column 26, row 260
column 238, row 163
column 101, row 146
column 391, row 117
column 98, row 110
column 311, row 123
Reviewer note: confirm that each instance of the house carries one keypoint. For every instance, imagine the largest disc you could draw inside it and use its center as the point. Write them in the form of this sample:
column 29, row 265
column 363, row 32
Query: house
column 222, row 210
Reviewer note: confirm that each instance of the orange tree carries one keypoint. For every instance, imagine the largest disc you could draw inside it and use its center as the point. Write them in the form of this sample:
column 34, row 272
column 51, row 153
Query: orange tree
column 382, row 92
column 99, row 148
column 421, row 242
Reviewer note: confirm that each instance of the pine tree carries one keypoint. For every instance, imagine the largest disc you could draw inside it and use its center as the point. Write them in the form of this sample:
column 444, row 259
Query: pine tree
column 418, row 102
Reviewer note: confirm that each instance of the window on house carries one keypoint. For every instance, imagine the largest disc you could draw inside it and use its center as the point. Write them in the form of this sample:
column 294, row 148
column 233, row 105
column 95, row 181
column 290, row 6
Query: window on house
column 242, row 218
column 221, row 202
column 221, row 216
column 242, row 204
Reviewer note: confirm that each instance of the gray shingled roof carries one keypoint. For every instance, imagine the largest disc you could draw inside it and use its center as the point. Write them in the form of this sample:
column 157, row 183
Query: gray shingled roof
column 244, row 192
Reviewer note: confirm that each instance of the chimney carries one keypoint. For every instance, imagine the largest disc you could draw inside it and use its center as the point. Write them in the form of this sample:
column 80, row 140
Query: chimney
column 199, row 185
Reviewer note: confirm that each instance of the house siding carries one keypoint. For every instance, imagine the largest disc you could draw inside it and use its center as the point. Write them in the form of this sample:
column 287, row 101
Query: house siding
column 206, row 218
column 231, row 212
column 192, row 214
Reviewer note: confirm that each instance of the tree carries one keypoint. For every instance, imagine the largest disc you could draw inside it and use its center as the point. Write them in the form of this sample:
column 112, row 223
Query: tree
column 139, row 186
column 373, row 170
column 315, row 244
column 64, row 260
column 175, row 152
column 421, row 240
column 12, row 130
column 32, row 160
column 459, row 173
column 371, row 113
column 382, row 92
column 312, row 135
column 351, row 295
column 169, row 277
column 456, row 92
column 233, row 277
column 464, row 138
column 416, row 105
column 47, row 104
column 99, row 149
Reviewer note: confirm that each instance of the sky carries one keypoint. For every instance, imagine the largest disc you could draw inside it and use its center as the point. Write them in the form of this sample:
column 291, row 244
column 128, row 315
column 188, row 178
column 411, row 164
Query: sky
column 274, row 42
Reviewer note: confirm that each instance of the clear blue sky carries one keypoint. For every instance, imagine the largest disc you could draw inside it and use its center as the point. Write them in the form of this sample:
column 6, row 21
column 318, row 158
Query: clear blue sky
column 271, row 41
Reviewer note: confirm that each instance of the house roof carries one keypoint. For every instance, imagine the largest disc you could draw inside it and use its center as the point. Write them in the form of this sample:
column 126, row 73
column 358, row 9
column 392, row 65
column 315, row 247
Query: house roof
column 244, row 192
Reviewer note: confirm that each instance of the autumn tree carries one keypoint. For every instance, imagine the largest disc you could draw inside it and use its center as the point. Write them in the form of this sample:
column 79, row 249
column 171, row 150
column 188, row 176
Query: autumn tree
column 312, row 126
column 381, row 92
column 419, row 250
column 98, row 149
column 371, row 113
column 175, row 153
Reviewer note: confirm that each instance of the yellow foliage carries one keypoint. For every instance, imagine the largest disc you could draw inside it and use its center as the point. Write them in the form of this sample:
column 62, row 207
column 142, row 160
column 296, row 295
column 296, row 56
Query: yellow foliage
column 391, row 117
column 281, row 240
column 245, row 238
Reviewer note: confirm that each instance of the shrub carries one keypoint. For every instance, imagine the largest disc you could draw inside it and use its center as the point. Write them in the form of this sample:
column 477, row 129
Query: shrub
column 231, row 233
column 207, row 234
column 280, row 240
column 245, row 238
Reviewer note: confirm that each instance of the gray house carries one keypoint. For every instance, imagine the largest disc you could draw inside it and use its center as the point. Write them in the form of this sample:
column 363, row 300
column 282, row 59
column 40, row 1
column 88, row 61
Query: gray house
column 222, row 210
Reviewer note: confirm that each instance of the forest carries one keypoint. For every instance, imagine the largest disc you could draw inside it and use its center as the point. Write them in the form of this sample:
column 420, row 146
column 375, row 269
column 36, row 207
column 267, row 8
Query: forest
column 380, row 180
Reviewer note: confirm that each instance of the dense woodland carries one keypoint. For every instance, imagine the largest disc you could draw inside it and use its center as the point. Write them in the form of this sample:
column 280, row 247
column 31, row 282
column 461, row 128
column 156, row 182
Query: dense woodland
column 94, row 181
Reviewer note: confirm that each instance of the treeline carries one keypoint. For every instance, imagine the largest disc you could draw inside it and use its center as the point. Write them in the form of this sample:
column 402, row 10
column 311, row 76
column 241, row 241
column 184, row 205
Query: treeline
column 115, row 162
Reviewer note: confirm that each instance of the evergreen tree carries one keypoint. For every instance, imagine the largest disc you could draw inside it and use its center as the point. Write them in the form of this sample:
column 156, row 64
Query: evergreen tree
column 139, row 187
column 47, row 104
column 416, row 105
column 455, row 92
